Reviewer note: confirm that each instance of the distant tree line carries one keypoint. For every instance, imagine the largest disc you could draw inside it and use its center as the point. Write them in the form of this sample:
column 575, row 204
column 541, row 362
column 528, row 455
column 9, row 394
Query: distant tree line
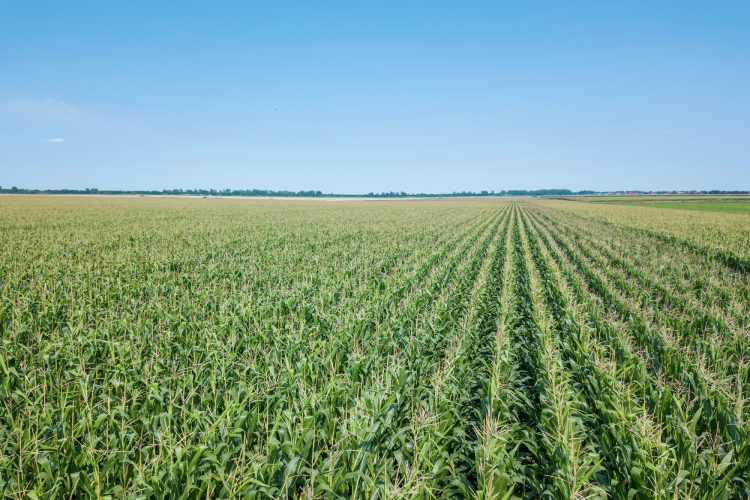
column 522, row 192
column 309, row 194
column 663, row 192
column 188, row 192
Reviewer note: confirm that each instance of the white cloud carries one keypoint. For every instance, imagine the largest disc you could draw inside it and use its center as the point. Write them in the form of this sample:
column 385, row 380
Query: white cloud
column 59, row 139
column 50, row 110
column 46, row 109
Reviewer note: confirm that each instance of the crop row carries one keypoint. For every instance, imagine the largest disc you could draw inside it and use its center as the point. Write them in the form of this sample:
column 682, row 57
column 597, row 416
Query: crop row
column 252, row 350
column 696, row 422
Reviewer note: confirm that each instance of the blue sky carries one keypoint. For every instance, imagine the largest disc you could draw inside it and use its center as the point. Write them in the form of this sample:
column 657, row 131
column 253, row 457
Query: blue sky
column 352, row 97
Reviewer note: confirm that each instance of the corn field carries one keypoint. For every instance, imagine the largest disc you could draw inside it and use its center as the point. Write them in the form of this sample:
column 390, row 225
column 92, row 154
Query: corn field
column 157, row 348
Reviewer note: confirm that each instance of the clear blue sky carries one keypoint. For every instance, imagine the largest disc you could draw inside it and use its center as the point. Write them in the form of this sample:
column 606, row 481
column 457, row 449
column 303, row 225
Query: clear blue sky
column 353, row 97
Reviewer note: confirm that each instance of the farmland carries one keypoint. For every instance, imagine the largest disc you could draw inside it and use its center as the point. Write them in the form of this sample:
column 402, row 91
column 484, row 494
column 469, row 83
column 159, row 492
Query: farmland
column 709, row 206
column 730, row 204
column 167, row 348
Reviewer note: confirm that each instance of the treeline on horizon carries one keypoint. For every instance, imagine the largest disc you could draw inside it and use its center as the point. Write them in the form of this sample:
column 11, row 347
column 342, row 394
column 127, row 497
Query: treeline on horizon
column 306, row 194
column 311, row 194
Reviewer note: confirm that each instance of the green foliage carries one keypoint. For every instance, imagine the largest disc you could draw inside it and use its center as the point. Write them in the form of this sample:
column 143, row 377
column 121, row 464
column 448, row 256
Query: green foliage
column 165, row 349
column 727, row 207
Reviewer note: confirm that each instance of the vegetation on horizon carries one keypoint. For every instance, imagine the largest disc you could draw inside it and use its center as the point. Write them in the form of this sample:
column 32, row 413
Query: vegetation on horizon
column 289, row 194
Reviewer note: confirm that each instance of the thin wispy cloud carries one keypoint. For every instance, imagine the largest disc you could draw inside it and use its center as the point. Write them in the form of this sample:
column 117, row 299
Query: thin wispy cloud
column 51, row 110
column 59, row 139
column 45, row 109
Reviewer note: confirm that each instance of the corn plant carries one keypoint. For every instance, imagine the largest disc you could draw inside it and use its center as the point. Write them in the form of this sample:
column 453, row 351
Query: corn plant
column 263, row 349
